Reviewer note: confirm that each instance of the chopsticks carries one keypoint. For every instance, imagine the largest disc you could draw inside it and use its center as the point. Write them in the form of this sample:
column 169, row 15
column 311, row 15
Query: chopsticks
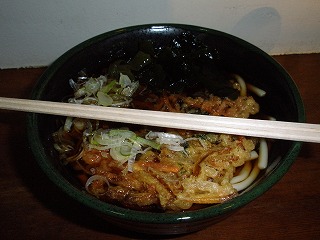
column 238, row 126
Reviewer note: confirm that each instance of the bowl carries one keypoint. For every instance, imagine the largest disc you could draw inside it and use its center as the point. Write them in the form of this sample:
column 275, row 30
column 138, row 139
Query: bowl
column 282, row 101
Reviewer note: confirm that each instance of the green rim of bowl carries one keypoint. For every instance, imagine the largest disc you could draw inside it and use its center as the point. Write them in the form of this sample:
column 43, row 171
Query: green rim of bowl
column 147, row 217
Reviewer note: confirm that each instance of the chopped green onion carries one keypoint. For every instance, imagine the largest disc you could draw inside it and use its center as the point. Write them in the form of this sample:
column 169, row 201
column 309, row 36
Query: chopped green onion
column 116, row 155
column 108, row 87
column 92, row 86
column 124, row 80
column 104, row 99
column 125, row 149
column 68, row 124
column 130, row 89
column 147, row 142
column 121, row 133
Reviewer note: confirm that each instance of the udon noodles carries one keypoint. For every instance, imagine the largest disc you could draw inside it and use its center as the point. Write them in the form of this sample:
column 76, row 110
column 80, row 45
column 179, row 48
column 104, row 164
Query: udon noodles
column 156, row 169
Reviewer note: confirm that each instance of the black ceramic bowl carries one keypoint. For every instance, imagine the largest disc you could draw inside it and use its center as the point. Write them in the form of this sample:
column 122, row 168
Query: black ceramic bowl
column 282, row 101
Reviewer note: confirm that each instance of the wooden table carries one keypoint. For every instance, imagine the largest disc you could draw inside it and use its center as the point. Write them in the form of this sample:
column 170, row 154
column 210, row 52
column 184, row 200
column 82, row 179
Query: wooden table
column 31, row 207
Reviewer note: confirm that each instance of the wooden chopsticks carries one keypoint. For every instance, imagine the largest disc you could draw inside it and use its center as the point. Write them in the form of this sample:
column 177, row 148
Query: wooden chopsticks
column 238, row 126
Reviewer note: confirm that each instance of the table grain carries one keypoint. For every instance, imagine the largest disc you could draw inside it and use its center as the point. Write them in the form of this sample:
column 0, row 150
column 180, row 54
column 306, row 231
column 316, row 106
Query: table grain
column 31, row 207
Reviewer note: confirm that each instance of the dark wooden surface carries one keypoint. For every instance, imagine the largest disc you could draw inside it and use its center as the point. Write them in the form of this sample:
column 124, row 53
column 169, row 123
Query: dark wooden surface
column 31, row 207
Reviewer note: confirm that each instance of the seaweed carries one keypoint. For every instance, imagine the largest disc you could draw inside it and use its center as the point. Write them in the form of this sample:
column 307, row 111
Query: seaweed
column 185, row 65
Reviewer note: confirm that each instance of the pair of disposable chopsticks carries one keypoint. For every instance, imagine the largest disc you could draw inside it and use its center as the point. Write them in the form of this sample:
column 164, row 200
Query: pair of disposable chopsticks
column 238, row 126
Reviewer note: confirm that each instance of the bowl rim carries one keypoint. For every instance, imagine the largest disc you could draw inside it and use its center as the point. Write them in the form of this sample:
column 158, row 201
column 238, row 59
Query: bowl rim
column 148, row 217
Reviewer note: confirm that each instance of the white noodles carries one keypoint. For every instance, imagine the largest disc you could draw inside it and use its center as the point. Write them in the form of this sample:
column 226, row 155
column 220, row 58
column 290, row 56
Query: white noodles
column 246, row 183
column 258, row 91
column 243, row 174
column 263, row 154
column 242, row 83
column 253, row 155
column 248, row 174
